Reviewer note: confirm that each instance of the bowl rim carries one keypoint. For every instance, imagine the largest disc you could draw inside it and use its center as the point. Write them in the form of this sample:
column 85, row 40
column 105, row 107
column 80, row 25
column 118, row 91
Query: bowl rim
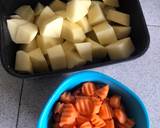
column 43, row 119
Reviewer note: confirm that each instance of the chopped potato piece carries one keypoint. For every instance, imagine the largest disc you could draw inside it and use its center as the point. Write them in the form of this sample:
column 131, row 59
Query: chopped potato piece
column 77, row 9
column 57, row 57
column 105, row 33
column 122, row 31
column 100, row 3
column 29, row 47
column 38, row 9
column 84, row 24
column 74, row 60
column 72, row 32
column 52, row 27
column 45, row 14
column 118, row 17
column 121, row 49
column 106, row 9
column 13, row 25
column 68, row 46
column 26, row 12
column 92, row 35
column 112, row 3
column 57, row 5
column 61, row 13
column 47, row 42
column 95, row 15
column 98, row 51
column 84, row 50
column 23, row 62
column 39, row 62
column 15, row 17
column 26, row 33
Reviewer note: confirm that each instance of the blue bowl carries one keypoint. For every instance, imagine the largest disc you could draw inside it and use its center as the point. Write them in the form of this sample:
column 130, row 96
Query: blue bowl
column 134, row 106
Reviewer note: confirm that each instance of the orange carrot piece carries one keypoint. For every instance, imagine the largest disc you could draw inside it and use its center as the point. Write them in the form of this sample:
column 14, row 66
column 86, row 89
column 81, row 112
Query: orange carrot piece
column 115, row 101
column 86, row 125
column 96, row 105
column 109, row 124
column 129, row 123
column 105, row 112
column 88, row 89
column 81, row 119
column 102, row 92
column 58, row 108
column 97, row 121
column 120, row 116
column 66, row 97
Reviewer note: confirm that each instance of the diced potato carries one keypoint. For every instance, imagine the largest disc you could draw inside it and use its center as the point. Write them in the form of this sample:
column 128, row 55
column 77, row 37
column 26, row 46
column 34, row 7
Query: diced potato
column 15, row 17
column 84, row 24
column 23, row 62
column 118, row 17
column 13, row 25
column 38, row 9
column 29, row 47
column 74, row 60
column 72, row 32
column 112, row 3
column 68, row 46
column 57, row 5
column 47, row 42
column 45, row 14
column 95, row 15
column 121, row 49
column 26, row 33
column 52, row 27
column 92, row 35
column 39, row 62
column 84, row 50
column 77, row 9
column 61, row 13
column 26, row 12
column 122, row 31
column 105, row 33
column 100, row 3
column 98, row 51
column 106, row 9
column 57, row 57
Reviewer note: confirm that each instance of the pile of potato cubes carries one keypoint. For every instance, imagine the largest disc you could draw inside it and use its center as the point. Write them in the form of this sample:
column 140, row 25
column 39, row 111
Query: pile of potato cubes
column 67, row 35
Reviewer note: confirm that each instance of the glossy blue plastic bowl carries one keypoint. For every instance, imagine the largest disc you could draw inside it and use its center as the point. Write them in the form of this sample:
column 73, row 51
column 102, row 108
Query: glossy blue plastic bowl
column 134, row 106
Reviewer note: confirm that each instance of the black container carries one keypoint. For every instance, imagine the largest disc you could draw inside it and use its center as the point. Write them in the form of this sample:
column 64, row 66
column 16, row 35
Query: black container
column 140, row 36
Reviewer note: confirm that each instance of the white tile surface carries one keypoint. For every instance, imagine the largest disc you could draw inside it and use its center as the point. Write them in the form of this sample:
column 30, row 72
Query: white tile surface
column 9, row 99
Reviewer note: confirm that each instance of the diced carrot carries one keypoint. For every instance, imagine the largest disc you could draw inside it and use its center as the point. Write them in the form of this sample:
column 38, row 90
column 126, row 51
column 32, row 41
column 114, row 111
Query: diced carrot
column 66, row 97
column 81, row 119
column 102, row 92
column 97, row 121
column 120, row 116
column 96, row 105
column 88, row 89
column 109, row 124
column 129, row 123
column 77, row 92
column 58, row 108
column 115, row 101
column 105, row 112
column 86, row 125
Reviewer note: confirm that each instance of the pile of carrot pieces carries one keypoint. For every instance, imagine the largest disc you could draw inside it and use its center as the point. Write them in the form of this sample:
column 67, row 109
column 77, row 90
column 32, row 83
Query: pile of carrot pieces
column 89, row 107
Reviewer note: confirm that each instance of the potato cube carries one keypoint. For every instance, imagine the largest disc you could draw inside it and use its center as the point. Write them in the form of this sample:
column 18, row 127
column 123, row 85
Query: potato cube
column 122, row 49
column 122, row 31
column 68, row 46
column 13, row 25
column 61, row 13
column 45, row 14
column 84, row 24
column 74, row 60
column 29, row 47
column 15, row 17
column 26, row 12
column 77, row 9
column 112, row 3
column 38, row 9
column 118, row 17
column 105, row 33
column 100, row 3
column 26, row 33
column 57, row 5
column 39, row 62
column 47, row 42
column 23, row 62
column 84, row 50
column 92, row 35
column 57, row 57
column 98, row 51
column 72, row 32
column 52, row 27
column 95, row 15
column 106, row 9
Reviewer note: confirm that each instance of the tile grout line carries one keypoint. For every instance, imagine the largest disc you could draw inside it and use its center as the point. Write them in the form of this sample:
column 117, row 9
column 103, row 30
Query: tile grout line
column 20, row 98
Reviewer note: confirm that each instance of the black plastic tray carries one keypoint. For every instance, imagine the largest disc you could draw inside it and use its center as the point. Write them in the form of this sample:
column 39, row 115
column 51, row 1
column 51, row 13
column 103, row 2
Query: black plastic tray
column 140, row 36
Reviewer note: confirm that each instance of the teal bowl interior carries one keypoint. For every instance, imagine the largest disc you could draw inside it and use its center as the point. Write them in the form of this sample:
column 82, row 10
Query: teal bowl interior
column 134, row 106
